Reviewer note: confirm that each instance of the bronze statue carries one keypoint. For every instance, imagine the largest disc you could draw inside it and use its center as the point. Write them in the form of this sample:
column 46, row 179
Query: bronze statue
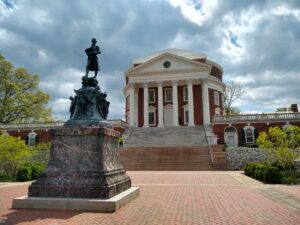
column 92, row 61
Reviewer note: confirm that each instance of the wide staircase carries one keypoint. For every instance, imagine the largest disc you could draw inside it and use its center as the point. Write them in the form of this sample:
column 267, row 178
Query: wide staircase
column 168, row 149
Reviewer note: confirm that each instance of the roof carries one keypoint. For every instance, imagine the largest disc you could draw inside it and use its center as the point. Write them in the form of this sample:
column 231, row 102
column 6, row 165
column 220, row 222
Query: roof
column 184, row 53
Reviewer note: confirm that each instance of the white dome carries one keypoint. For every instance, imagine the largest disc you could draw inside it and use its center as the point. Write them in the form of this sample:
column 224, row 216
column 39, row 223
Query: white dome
column 180, row 52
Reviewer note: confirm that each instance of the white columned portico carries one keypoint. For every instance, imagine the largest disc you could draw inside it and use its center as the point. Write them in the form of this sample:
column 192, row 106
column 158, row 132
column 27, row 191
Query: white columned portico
column 191, row 103
column 146, row 106
column 131, row 105
column 175, row 102
column 205, row 99
column 160, row 104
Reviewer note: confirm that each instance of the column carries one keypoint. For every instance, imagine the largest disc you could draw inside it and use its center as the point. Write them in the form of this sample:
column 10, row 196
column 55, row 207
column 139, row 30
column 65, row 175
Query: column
column 160, row 104
column 205, row 100
column 191, row 103
column 175, row 103
column 146, row 105
column 131, row 105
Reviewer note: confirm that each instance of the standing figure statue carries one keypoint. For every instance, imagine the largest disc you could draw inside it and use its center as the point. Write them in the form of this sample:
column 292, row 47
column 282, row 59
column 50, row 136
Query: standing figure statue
column 92, row 61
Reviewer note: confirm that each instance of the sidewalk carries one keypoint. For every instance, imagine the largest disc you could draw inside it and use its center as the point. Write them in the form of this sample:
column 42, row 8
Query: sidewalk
column 177, row 198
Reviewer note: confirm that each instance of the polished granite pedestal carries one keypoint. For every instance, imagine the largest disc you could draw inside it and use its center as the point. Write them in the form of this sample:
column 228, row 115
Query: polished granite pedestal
column 84, row 164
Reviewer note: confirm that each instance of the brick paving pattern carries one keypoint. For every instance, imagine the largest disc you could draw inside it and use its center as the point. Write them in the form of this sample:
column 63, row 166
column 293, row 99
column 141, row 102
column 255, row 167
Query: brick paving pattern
column 174, row 198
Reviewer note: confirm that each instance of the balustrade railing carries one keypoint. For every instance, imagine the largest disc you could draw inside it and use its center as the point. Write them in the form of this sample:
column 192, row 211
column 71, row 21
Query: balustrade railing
column 262, row 116
column 115, row 123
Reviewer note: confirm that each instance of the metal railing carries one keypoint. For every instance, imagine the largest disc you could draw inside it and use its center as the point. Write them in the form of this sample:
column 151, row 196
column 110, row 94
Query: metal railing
column 262, row 116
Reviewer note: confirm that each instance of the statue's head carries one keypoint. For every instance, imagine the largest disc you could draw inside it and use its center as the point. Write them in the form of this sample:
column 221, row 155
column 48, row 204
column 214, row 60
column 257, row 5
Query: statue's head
column 94, row 41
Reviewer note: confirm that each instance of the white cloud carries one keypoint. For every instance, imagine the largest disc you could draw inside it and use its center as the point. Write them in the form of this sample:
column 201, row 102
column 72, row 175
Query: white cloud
column 197, row 11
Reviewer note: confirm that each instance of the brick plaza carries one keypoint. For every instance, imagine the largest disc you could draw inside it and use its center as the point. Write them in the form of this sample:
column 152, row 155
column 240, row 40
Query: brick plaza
column 206, row 197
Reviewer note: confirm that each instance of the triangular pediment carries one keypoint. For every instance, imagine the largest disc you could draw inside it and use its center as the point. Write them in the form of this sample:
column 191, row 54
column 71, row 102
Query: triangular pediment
column 167, row 62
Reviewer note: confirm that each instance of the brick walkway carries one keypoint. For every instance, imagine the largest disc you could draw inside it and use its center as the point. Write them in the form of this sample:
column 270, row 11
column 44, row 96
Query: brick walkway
column 177, row 198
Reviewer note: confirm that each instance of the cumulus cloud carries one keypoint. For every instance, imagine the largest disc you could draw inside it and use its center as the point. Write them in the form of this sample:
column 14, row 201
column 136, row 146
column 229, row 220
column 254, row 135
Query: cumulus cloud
column 256, row 42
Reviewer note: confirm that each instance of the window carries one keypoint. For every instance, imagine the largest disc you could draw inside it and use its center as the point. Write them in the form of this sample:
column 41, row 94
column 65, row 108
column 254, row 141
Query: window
column 222, row 99
column 216, row 98
column 185, row 94
column 151, row 95
column 186, row 116
column 218, row 111
column 168, row 95
column 31, row 139
column 152, row 118
column 249, row 135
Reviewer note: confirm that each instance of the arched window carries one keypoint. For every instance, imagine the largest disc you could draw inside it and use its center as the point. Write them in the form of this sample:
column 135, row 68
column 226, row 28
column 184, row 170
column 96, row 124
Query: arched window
column 32, row 139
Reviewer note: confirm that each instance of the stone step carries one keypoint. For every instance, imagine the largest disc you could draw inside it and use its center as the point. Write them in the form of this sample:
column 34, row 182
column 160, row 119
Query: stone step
column 166, row 158
column 166, row 136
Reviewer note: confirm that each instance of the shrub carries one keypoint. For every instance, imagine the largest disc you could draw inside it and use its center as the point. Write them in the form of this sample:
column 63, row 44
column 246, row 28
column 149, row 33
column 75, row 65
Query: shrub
column 36, row 169
column 272, row 175
column 259, row 171
column 23, row 173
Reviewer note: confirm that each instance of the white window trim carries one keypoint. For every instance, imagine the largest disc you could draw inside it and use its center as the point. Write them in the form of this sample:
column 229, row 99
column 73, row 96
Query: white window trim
column 218, row 109
column 216, row 98
column 253, row 137
column 32, row 135
column 151, row 90
column 231, row 133
column 152, row 110
column 185, row 109
column 185, row 94
column 165, row 90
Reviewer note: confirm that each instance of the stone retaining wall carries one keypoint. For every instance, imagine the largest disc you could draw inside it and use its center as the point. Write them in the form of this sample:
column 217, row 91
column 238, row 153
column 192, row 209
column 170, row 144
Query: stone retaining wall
column 237, row 157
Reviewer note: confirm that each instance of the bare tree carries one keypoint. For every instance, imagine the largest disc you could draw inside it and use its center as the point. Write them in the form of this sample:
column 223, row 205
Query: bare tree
column 234, row 91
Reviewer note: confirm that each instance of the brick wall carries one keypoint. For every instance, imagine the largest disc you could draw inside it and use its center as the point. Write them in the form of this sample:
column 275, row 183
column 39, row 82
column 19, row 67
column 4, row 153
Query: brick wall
column 260, row 126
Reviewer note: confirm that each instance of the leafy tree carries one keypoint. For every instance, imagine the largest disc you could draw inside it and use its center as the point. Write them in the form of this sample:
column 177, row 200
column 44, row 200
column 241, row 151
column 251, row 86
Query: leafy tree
column 13, row 152
column 233, row 92
column 20, row 98
column 282, row 146
column 283, row 109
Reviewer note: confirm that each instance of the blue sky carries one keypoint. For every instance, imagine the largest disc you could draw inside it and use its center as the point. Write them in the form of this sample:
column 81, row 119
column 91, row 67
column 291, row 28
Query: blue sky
column 256, row 42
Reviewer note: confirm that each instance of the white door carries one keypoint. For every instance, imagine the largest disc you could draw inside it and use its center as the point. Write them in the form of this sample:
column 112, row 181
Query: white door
column 168, row 115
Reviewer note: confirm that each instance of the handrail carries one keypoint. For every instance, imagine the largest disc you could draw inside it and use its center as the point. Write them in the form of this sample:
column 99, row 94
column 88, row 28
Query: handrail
column 262, row 116
column 209, row 147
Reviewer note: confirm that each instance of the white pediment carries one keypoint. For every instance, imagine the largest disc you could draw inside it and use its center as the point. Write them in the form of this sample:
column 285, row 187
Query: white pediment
column 160, row 64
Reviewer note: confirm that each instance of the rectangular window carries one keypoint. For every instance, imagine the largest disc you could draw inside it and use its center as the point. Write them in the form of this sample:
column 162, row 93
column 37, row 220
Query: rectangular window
column 216, row 98
column 152, row 118
column 151, row 95
column 249, row 136
column 185, row 94
column 186, row 116
column 168, row 95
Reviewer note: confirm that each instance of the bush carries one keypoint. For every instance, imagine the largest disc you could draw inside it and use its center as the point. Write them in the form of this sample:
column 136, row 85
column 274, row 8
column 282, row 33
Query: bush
column 272, row 175
column 289, row 177
column 36, row 169
column 29, row 171
column 259, row 172
column 263, row 172
column 23, row 173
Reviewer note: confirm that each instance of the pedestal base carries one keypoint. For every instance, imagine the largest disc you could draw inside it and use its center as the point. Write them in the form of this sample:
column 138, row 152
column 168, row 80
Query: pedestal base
column 84, row 163
column 77, row 204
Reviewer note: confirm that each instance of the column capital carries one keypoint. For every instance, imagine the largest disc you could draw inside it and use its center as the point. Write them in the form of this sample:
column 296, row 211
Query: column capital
column 190, row 81
column 174, row 82
column 204, row 80
column 145, row 84
column 159, row 83
column 131, row 84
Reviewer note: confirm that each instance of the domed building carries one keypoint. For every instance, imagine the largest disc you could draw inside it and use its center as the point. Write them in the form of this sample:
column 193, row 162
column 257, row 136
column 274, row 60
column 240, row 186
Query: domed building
column 173, row 88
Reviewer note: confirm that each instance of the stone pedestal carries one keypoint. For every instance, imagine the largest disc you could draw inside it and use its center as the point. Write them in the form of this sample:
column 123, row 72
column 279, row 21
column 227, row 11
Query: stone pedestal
column 84, row 163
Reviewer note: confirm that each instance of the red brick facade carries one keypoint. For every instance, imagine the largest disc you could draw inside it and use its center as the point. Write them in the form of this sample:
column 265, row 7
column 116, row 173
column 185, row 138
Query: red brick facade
column 260, row 126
